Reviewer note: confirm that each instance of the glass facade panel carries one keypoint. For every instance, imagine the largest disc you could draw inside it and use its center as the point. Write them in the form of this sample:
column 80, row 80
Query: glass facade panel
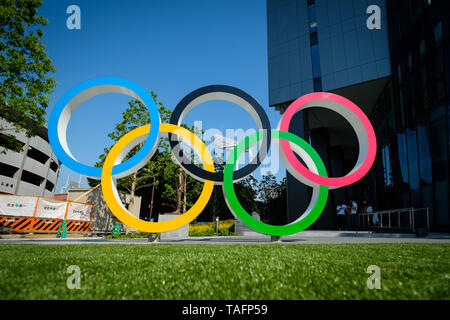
column 438, row 32
column 312, row 18
column 315, row 57
column 314, row 39
column 402, row 157
column 318, row 85
column 422, row 48
column 411, row 115
column 387, row 167
column 426, row 175
column 411, row 142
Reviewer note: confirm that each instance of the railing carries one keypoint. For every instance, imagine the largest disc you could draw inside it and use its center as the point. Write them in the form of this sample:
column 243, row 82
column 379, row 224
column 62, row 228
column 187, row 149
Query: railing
column 409, row 219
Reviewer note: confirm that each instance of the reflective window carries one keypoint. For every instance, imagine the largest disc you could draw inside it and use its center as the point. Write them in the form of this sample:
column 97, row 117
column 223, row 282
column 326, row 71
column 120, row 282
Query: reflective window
column 318, row 85
column 402, row 156
column 438, row 32
column 313, row 38
column 422, row 48
column 402, row 107
column 413, row 164
column 439, row 143
column 387, row 169
column 424, row 155
column 312, row 17
column 425, row 87
column 315, row 57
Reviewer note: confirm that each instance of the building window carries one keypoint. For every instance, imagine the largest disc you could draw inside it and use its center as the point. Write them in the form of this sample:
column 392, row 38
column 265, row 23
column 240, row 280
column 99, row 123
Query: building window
column 411, row 140
column 53, row 165
column 402, row 107
column 315, row 59
column 7, row 170
column 403, row 157
column 31, row 178
column 387, row 168
column 440, row 64
column 49, row 186
column 318, row 85
column 424, row 155
column 37, row 155
column 313, row 39
column 314, row 42
column 422, row 48
column 312, row 18
column 439, row 142
column 424, row 87
column 438, row 33
column 8, row 141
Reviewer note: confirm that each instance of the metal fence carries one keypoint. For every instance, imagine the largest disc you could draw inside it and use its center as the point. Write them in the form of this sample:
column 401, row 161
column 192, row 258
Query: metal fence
column 409, row 219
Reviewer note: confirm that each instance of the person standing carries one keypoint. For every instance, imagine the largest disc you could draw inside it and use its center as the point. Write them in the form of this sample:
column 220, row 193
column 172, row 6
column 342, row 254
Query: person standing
column 341, row 208
column 365, row 219
column 375, row 217
column 353, row 212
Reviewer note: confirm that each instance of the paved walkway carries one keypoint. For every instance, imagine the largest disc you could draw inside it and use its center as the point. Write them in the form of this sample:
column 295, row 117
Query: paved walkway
column 305, row 237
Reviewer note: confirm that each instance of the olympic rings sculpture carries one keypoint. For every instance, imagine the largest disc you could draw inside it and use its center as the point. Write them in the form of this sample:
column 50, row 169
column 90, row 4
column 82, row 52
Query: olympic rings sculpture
column 289, row 145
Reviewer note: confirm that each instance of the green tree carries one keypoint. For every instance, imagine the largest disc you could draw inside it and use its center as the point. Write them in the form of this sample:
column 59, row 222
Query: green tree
column 24, row 67
column 271, row 196
column 136, row 115
column 161, row 171
column 217, row 206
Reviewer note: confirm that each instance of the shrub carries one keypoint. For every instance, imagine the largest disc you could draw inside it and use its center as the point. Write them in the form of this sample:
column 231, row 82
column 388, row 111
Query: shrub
column 226, row 228
column 128, row 236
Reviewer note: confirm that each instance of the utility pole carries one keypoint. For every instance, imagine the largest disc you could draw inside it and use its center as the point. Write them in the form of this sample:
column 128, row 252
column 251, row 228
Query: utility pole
column 151, row 201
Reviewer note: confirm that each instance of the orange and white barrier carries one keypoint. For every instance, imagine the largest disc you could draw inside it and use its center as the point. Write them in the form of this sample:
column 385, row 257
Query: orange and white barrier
column 31, row 213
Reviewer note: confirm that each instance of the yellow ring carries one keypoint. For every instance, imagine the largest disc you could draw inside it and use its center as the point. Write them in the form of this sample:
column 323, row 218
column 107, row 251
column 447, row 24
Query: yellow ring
column 116, row 206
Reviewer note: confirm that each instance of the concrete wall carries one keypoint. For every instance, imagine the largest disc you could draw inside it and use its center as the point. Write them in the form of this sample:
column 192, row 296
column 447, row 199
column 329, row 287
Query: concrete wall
column 102, row 218
column 12, row 182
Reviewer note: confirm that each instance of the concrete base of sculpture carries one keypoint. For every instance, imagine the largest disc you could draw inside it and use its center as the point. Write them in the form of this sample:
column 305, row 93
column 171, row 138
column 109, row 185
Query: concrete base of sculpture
column 242, row 229
column 182, row 232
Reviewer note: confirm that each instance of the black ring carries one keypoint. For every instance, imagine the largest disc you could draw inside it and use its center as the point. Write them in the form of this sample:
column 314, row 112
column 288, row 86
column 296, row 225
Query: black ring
column 176, row 119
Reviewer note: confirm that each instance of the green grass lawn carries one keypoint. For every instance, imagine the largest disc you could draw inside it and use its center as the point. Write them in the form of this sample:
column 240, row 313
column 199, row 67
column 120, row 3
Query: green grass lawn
column 273, row 271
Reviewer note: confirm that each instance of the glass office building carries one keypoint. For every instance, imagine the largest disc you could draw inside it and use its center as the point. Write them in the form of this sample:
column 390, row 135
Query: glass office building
column 397, row 74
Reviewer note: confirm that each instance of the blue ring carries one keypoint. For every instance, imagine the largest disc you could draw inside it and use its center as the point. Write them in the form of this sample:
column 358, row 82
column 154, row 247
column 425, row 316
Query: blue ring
column 96, row 172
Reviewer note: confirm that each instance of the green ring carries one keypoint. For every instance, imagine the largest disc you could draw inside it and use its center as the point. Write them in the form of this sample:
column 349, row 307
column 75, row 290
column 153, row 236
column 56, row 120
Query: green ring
column 239, row 211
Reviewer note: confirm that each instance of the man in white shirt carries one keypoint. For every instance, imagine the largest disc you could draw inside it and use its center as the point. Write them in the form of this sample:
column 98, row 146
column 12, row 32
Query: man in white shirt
column 341, row 215
column 375, row 217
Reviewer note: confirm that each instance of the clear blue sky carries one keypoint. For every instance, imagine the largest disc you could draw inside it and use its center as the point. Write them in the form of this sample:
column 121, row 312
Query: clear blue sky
column 170, row 47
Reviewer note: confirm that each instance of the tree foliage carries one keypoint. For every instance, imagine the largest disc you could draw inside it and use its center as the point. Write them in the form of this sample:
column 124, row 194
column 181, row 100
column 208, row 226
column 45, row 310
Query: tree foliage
column 174, row 190
column 24, row 67
column 271, row 204
column 217, row 206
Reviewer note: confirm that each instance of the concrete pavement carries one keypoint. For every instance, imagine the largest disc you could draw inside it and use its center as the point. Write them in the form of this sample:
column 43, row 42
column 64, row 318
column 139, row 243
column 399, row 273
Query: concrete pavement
column 305, row 237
